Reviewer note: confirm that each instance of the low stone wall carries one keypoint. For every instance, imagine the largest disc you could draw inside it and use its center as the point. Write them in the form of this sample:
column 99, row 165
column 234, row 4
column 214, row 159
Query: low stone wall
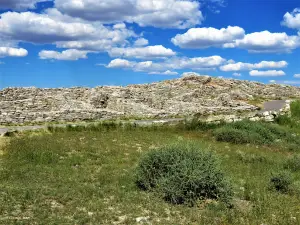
column 268, row 116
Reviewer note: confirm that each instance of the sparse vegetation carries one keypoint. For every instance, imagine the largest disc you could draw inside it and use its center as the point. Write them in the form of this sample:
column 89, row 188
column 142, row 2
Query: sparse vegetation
column 87, row 175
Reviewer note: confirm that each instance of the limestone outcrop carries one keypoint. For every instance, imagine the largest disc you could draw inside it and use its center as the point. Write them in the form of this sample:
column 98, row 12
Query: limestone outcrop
column 187, row 96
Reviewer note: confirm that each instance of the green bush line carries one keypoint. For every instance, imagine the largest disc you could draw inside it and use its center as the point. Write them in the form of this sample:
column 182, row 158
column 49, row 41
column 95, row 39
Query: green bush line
column 261, row 133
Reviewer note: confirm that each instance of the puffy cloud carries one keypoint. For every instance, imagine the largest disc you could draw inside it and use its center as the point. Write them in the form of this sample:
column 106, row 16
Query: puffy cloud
column 120, row 26
column 70, row 54
column 157, row 51
column 61, row 30
column 125, row 64
column 292, row 20
column 13, row 52
column 121, row 63
column 158, row 13
column 297, row 75
column 18, row 4
column 197, row 63
column 234, row 37
column 171, row 64
column 266, row 42
column 268, row 73
column 209, row 37
column 54, row 27
column 141, row 42
column 249, row 66
column 236, row 74
column 40, row 28
column 168, row 72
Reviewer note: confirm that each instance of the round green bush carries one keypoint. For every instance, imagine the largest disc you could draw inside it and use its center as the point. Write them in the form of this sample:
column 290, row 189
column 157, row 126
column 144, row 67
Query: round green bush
column 183, row 174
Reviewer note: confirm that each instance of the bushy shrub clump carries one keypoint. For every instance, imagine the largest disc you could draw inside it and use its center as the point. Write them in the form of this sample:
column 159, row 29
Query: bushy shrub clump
column 293, row 163
column 281, row 182
column 255, row 133
column 183, row 174
column 235, row 136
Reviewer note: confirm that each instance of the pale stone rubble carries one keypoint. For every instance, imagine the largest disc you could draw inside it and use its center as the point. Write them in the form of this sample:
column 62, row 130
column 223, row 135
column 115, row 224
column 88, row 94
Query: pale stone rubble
column 188, row 96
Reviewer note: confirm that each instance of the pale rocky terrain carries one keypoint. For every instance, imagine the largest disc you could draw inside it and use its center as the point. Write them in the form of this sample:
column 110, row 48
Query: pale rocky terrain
column 187, row 96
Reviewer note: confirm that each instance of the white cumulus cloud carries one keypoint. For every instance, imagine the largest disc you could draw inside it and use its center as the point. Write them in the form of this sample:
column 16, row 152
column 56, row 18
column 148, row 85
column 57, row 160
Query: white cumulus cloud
column 169, row 65
column 157, row 13
column 63, row 31
column 268, row 73
column 157, row 51
column 240, row 66
column 209, row 37
column 70, row 54
column 13, row 52
column 120, row 63
column 297, row 75
column 267, row 42
column 292, row 20
column 141, row 42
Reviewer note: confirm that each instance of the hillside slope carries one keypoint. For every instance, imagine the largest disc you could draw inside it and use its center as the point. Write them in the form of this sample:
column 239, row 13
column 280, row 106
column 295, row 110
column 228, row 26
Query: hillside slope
column 188, row 95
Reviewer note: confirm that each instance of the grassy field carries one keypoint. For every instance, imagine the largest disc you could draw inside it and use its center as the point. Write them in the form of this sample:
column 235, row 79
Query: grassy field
column 87, row 177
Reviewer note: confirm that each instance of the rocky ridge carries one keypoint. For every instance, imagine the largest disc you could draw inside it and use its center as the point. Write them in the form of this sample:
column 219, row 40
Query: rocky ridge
column 188, row 96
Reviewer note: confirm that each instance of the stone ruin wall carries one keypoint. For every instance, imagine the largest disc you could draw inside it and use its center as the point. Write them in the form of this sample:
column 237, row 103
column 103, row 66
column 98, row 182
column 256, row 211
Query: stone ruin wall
column 215, row 99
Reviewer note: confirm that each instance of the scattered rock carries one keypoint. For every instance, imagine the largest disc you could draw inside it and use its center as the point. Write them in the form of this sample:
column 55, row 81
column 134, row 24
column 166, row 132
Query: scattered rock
column 143, row 219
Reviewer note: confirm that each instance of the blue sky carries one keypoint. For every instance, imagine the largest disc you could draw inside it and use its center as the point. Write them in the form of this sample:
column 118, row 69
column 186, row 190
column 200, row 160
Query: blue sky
column 65, row 43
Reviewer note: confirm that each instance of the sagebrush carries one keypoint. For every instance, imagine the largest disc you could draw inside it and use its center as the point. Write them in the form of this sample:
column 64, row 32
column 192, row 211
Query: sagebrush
column 182, row 173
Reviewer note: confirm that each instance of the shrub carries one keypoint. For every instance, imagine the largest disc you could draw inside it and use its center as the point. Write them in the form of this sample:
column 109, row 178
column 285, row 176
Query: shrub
column 235, row 136
column 260, row 129
column 183, row 174
column 293, row 163
column 281, row 181
column 295, row 109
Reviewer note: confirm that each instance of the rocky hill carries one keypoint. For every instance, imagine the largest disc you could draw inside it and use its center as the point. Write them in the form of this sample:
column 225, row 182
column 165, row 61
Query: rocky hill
column 189, row 95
